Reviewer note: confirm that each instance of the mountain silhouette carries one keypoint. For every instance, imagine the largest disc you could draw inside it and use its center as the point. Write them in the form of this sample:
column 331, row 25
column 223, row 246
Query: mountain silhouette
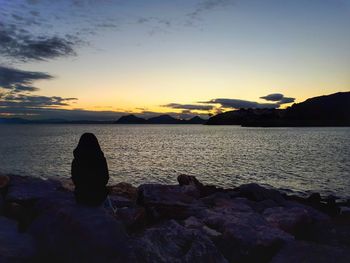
column 131, row 119
column 328, row 110
column 161, row 119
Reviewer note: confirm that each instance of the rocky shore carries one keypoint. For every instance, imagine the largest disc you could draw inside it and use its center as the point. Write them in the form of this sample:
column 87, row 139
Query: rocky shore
column 188, row 222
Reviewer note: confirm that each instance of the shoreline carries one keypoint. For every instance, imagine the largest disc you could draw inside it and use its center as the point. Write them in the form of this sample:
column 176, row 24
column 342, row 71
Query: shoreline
column 184, row 222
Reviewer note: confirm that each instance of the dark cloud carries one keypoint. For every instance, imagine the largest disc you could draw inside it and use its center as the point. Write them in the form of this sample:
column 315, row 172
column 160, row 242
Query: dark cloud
column 273, row 97
column 207, row 5
column 21, row 88
column 239, row 104
column 278, row 98
column 20, row 80
column 19, row 45
column 154, row 20
column 286, row 100
column 189, row 107
column 23, row 101
column 34, row 13
column 55, row 113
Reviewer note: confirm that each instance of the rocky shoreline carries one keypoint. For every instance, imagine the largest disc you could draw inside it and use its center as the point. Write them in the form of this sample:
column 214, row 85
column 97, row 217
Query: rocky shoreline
column 188, row 222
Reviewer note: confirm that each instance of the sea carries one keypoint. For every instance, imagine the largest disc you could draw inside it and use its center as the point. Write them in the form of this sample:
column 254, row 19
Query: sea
column 299, row 160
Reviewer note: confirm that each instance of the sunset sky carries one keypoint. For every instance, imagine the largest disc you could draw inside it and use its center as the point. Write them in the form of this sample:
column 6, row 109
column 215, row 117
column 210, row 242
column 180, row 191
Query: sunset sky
column 100, row 59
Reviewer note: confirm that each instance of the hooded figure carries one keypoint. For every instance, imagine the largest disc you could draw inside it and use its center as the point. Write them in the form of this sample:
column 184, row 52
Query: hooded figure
column 89, row 171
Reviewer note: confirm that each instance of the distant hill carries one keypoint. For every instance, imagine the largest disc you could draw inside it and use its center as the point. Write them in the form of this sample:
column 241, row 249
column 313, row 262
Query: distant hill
column 127, row 119
column 162, row 119
column 131, row 119
column 329, row 110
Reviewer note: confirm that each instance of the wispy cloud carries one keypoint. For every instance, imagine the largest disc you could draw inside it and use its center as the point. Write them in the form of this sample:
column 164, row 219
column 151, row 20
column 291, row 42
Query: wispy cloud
column 238, row 104
column 278, row 98
column 23, row 101
column 190, row 107
column 20, row 80
column 207, row 5
column 22, row 46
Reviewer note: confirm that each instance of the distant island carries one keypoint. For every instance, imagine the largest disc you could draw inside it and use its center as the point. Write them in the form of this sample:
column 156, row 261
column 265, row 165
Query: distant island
column 162, row 119
column 329, row 110
column 127, row 119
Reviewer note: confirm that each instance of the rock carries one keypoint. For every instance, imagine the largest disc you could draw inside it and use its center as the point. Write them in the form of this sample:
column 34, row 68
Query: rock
column 133, row 218
column 15, row 247
column 169, row 201
column 120, row 201
column 246, row 236
column 315, row 215
column 292, row 220
column 220, row 199
column 261, row 206
column 329, row 233
column 26, row 189
column 314, row 198
column 123, row 189
column 67, row 184
column 188, row 180
column 4, row 182
column 194, row 223
column 67, row 232
column 173, row 243
column 312, row 253
column 256, row 192
column 204, row 190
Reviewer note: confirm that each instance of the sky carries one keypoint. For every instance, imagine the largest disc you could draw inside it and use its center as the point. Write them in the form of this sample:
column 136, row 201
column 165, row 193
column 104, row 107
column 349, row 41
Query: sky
column 101, row 59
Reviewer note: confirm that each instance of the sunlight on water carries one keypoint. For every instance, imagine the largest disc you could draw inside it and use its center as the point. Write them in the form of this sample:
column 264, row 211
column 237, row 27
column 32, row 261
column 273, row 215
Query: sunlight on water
column 300, row 159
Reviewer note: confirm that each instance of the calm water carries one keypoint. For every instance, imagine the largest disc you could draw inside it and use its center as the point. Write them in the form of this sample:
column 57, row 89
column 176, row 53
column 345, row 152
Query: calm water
column 301, row 159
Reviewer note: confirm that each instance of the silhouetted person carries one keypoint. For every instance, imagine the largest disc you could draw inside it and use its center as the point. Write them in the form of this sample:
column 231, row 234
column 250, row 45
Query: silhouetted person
column 89, row 171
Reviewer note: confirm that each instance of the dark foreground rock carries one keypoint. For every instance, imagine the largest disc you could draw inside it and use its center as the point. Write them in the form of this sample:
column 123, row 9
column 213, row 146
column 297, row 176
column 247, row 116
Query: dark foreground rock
column 171, row 242
column 67, row 232
column 190, row 222
column 14, row 246
column 312, row 253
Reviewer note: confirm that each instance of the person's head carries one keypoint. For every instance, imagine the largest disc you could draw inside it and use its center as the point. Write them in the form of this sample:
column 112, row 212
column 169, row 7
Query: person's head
column 88, row 143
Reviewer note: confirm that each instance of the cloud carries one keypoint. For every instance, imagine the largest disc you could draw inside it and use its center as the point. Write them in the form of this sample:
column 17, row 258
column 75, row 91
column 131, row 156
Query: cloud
column 189, row 107
column 55, row 113
column 238, row 104
column 20, row 80
column 19, row 45
column 273, row 97
column 22, row 101
column 278, row 98
column 207, row 5
column 16, row 84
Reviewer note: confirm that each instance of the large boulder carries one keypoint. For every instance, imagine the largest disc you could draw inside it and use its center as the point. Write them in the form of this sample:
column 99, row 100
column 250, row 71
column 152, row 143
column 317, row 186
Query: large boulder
column 292, row 220
column 173, row 243
column 169, row 201
column 246, row 235
column 256, row 192
column 27, row 189
column 67, row 232
column 315, row 215
column 123, row 189
column 204, row 190
column 14, row 246
column 300, row 251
